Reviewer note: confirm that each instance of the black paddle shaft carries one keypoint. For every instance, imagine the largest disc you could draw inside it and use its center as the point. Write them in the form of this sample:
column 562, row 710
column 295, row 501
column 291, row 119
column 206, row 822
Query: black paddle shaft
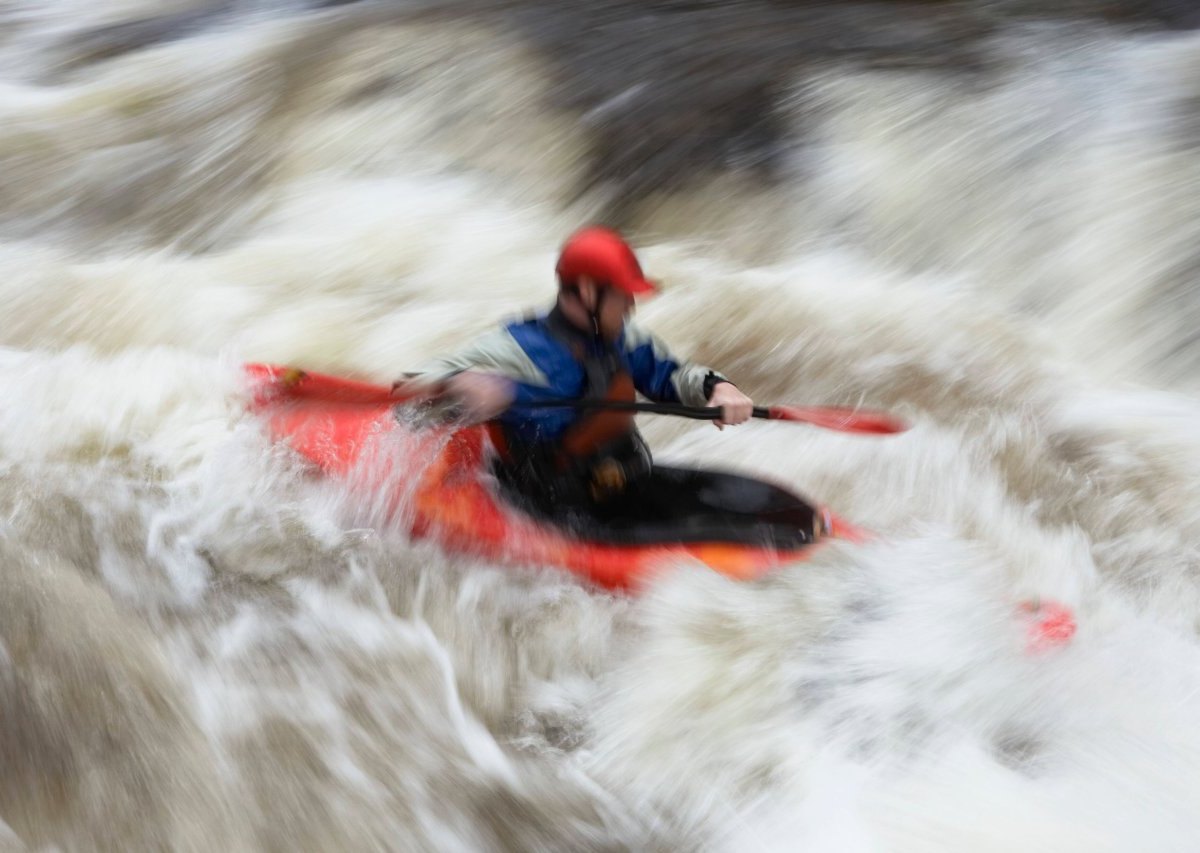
column 699, row 413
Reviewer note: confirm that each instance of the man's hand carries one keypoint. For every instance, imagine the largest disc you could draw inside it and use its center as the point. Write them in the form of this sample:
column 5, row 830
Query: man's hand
column 483, row 395
column 480, row 396
column 736, row 407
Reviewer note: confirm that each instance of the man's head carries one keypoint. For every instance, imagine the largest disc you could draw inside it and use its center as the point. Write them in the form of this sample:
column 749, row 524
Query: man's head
column 598, row 278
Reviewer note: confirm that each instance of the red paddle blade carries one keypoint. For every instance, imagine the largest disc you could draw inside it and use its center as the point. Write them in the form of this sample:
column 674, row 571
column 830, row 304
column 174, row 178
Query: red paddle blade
column 846, row 420
column 281, row 382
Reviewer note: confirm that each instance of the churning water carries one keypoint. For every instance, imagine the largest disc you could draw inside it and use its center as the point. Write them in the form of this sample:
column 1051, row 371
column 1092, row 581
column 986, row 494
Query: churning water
column 199, row 652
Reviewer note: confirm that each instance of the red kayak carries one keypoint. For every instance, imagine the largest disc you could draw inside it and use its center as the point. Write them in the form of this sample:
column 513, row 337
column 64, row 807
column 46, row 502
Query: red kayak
column 350, row 430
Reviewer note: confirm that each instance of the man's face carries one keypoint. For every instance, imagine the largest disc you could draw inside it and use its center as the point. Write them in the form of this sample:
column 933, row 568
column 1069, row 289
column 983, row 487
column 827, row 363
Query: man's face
column 613, row 305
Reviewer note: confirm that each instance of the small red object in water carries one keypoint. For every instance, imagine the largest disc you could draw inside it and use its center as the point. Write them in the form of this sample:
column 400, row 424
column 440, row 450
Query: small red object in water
column 1050, row 625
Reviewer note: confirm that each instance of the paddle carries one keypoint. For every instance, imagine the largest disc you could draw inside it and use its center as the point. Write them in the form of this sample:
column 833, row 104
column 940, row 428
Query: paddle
column 829, row 417
column 294, row 383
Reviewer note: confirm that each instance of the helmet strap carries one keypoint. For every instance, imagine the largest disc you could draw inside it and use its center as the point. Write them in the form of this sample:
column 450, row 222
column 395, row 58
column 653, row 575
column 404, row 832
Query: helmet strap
column 601, row 295
column 594, row 312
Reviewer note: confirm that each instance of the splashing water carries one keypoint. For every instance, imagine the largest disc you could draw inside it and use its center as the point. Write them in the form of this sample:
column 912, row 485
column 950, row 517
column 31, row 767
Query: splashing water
column 205, row 646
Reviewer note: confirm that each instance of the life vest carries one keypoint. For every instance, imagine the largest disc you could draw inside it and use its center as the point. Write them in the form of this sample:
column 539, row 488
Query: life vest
column 605, row 447
column 598, row 456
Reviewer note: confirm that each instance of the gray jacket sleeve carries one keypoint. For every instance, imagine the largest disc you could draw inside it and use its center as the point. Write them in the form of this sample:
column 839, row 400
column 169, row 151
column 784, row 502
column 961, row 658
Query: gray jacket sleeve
column 493, row 352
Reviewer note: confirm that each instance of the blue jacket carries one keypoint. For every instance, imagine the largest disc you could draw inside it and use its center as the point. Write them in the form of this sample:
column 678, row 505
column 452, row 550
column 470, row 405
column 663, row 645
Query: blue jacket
column 540, row 355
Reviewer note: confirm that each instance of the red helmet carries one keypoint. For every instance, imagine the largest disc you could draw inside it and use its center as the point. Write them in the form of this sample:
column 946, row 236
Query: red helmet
column 602, row 254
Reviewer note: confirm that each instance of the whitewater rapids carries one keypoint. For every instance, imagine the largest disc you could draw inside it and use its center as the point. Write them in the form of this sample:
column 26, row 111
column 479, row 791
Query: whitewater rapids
column 203, row 648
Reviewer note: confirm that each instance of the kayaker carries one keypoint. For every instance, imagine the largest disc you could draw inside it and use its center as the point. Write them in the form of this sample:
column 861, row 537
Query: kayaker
column 561, row 460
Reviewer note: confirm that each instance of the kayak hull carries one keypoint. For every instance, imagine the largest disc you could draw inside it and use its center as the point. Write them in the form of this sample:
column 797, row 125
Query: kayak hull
column 350, row 431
